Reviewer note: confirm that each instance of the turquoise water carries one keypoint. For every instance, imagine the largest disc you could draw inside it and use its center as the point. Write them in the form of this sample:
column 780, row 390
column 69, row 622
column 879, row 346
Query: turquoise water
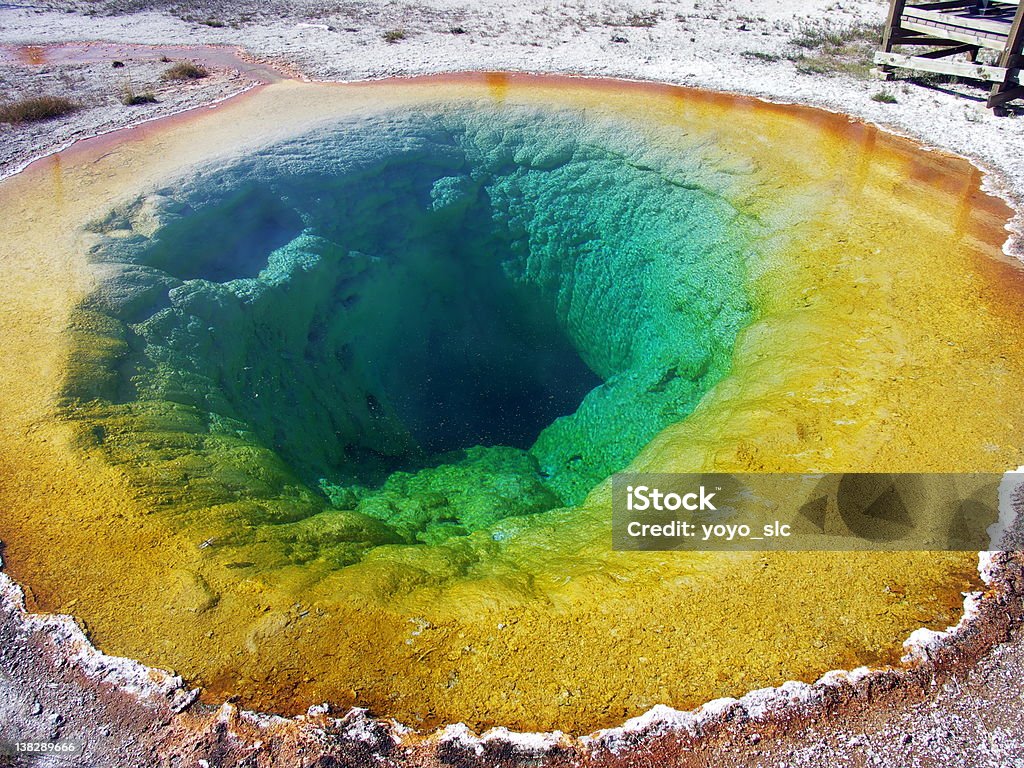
column 430, row 321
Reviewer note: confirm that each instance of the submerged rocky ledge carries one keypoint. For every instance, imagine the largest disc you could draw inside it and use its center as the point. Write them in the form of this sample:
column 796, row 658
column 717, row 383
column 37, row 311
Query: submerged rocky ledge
column 409, row 327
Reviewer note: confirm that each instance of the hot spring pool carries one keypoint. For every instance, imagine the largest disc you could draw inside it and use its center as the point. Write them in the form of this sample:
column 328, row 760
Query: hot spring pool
column 315, row 396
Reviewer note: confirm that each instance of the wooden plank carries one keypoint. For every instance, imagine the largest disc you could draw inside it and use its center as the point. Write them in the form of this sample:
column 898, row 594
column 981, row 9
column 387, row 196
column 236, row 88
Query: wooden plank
column 934, row 27
column 916, row 38
column 948, row 4
column 972, row 24
column 996, row 44
column 971, row 71
column 999, row 97
column 940, row 54
column 996, row 6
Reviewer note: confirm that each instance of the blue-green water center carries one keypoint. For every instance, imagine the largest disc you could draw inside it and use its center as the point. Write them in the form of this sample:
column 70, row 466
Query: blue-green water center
column 430, row 321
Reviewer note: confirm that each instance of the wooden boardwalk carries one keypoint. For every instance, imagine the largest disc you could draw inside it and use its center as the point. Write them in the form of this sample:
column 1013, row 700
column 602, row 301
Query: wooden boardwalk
column 954, row 27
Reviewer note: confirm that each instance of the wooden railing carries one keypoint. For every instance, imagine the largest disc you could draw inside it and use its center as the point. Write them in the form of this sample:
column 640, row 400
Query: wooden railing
column 954, row 27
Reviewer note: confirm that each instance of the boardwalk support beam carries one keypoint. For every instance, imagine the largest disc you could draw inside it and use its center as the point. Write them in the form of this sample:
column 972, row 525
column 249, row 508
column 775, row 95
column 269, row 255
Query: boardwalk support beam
column 954, row 28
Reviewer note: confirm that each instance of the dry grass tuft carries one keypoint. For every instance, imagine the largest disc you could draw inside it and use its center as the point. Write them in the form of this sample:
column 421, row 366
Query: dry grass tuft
column 185, row 70
column 35, row 109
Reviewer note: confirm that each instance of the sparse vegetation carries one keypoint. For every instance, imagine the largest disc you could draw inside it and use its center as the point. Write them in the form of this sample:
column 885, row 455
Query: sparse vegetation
column 828, row 50
column 760, row 56
column 131, row 98
column 185, row 70
column 642, row 19
column 215, row 23
column 457, row 30
column 35, row 109
column 884, row 97
column 836, row 39
column 816, row 65
column 394, row 35
column 931, row 78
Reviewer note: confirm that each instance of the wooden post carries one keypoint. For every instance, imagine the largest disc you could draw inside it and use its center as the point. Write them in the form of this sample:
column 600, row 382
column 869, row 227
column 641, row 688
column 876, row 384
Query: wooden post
column 1010, row 58
column 892, row 27
column 892, row 23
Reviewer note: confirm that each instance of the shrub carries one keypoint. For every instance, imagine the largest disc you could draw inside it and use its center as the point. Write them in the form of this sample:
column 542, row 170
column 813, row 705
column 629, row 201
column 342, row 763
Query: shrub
column 36, row 108
column 185, row 70
column 130, row 98
column 394, row 35
column 884, row 97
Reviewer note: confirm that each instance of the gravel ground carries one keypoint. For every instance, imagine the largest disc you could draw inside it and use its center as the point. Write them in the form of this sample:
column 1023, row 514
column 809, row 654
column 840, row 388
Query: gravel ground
column 98, row 89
